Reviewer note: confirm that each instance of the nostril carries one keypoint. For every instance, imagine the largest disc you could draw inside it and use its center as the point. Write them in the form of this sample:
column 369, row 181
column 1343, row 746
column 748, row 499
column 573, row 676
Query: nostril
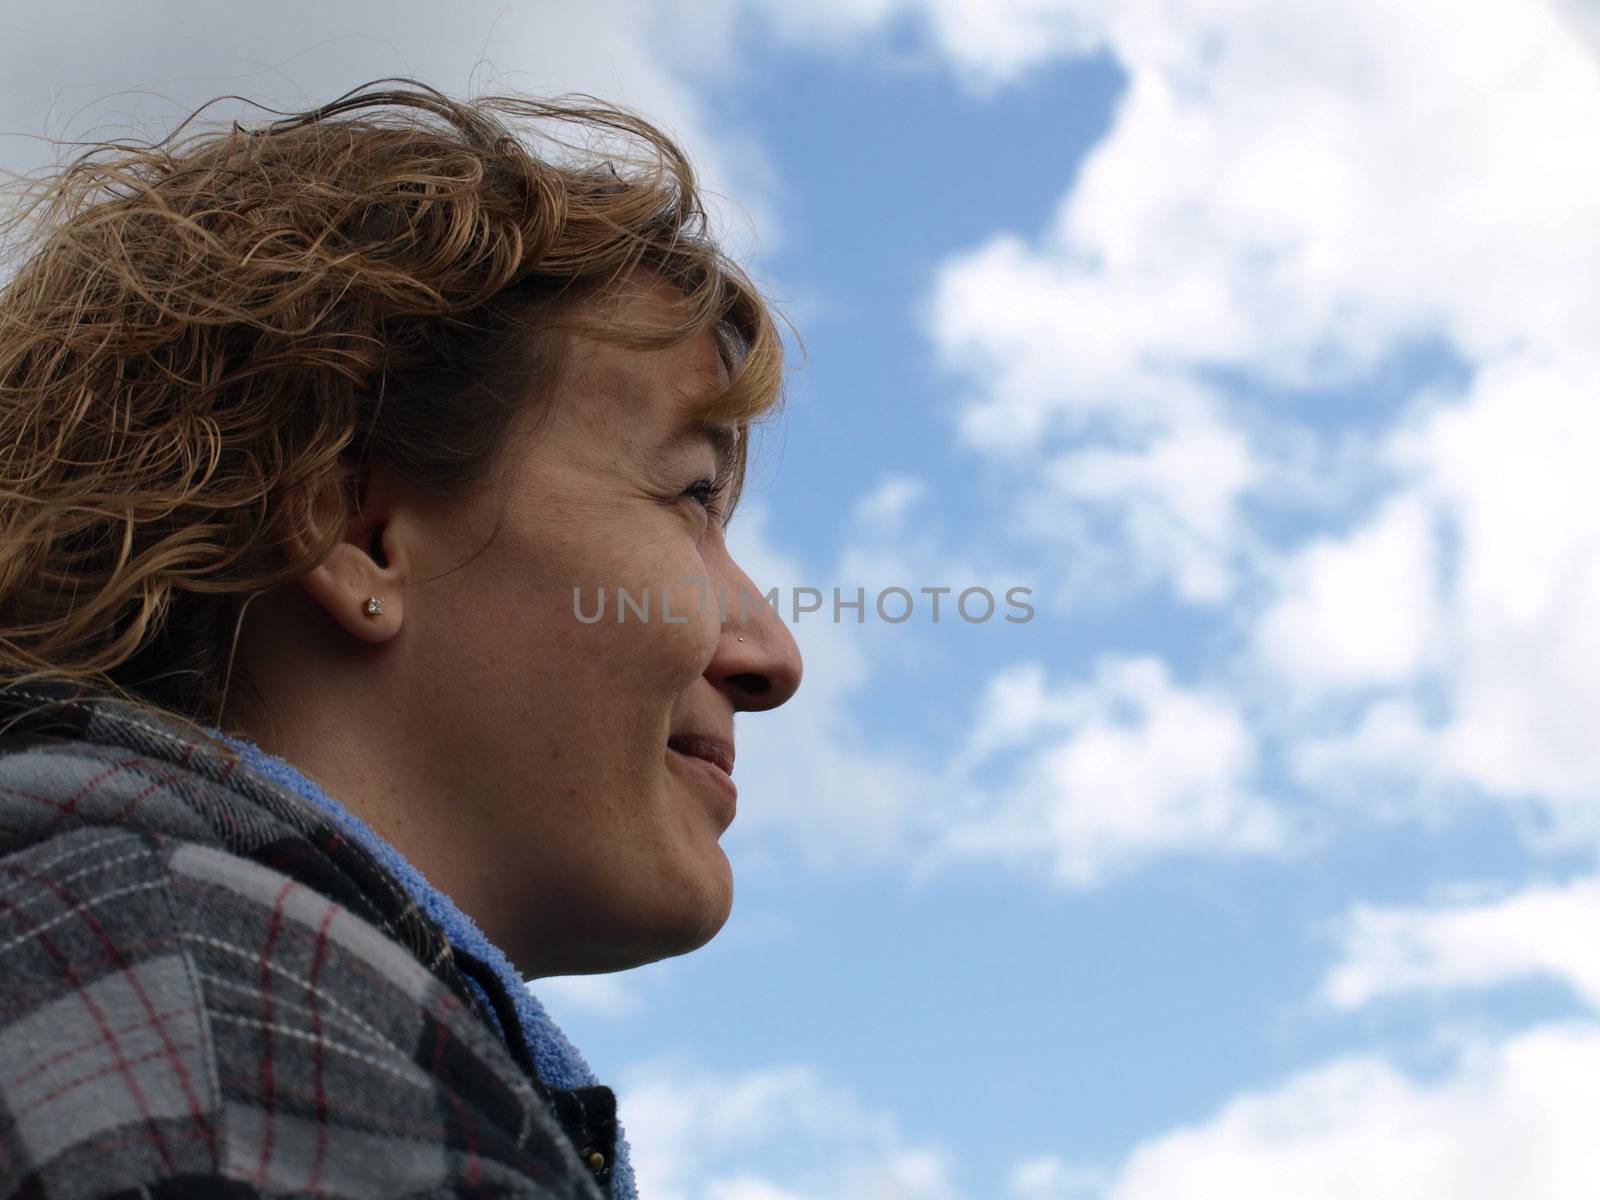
column 751, row 684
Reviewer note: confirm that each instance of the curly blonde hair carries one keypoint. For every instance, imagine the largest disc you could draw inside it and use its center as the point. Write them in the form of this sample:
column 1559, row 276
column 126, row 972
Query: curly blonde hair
column 203, row 335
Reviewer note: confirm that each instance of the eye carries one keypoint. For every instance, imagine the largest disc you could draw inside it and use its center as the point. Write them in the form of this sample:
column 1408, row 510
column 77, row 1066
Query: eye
column 707, row 493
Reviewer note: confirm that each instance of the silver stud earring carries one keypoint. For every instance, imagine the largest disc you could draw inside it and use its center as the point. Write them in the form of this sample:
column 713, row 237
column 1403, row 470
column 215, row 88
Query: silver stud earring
column 374, row 605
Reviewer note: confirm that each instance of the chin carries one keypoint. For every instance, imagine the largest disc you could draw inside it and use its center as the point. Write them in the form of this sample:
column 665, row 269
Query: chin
column 626, row 932
column 685, row 926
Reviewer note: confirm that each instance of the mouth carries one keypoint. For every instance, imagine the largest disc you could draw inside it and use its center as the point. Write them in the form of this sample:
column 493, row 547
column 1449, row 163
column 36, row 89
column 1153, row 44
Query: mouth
column 713, row 750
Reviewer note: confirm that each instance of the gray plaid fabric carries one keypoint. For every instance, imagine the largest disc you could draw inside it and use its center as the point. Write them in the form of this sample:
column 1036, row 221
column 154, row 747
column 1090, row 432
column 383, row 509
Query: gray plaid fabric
column 207, row 990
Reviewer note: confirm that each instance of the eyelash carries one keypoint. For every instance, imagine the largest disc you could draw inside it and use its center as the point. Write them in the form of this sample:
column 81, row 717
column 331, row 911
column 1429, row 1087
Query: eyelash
column 705, row 492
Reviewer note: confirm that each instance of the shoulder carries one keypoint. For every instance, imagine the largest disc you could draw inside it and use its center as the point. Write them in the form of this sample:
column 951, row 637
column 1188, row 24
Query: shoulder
column 172, row 1011
column 104, row 1053
column 203, row 992
column 68, row 764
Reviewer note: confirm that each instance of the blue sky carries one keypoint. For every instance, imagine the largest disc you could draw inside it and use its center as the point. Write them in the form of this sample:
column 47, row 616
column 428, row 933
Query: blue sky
column 1259, row 341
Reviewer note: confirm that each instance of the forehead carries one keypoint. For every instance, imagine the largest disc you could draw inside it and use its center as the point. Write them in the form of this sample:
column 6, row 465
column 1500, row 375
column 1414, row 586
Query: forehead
column 641, row 391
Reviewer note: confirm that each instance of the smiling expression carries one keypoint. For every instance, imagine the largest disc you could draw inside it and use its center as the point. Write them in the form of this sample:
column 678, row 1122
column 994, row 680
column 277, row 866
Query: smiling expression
column 598, row 839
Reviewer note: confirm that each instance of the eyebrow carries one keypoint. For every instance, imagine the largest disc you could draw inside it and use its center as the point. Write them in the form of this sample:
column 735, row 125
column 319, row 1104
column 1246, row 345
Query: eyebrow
column 724, row 440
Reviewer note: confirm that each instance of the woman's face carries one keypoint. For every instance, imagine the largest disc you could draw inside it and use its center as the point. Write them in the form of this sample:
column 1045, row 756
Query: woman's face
column 580, row 840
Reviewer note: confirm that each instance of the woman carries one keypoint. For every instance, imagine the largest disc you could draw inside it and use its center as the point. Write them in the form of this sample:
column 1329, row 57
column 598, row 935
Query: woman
column 323, row 439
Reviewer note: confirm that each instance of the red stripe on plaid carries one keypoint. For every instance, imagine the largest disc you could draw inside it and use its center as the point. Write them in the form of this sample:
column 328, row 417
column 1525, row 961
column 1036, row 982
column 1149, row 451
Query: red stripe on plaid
column 67, row 808
column 224, row 898
column 149, row 1008
column 316, row 1026
column 64, row 808
column 62, row 1055
column 64, row 965
column 269, row 1110
column 172, row 779
column 80, row 1080
column 90, row 966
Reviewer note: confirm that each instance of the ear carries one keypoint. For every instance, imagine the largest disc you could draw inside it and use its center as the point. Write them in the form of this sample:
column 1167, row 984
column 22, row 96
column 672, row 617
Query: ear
column 368, row 561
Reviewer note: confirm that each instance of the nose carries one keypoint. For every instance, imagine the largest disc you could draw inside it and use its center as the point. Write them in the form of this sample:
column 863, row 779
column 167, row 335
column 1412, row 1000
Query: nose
column 757, row 664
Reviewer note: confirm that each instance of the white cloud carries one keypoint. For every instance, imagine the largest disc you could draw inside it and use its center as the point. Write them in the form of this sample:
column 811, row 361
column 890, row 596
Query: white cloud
column 1088, row 780
column 1296, row 194
column 1109, row 775
column 603, row 995
column 1347, row 176
column 1512, row 1118
column 1514, row 467
column 988, row 41
column 1047, row 1177
column 1506, row 475
column 1381, row 761
column 1293, row 191
column 1505, row 1118
column 783, row 1133
column 1540, row 932
column 1585, row 18
column 1172, row 498
column 1361, row 610
column 64, row 62
column 885, row 508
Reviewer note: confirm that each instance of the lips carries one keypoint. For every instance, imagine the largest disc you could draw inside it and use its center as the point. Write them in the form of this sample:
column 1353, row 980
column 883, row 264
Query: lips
column 714, row 750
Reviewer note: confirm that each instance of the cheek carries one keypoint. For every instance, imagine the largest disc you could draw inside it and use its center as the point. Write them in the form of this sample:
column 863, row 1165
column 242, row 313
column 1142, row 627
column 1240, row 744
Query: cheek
column 658, row 611
column 684, row 625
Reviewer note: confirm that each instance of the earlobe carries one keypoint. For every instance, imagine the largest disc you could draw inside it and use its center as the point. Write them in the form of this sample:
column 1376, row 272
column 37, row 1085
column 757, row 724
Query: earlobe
column 344, row 585
column 367, row 563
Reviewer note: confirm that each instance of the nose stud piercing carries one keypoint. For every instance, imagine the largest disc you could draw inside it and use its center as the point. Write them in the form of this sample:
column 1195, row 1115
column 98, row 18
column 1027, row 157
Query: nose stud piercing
column 374, row 605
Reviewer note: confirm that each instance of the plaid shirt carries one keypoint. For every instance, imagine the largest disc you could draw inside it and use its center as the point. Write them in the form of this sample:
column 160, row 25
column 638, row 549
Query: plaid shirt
column 207, row 990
